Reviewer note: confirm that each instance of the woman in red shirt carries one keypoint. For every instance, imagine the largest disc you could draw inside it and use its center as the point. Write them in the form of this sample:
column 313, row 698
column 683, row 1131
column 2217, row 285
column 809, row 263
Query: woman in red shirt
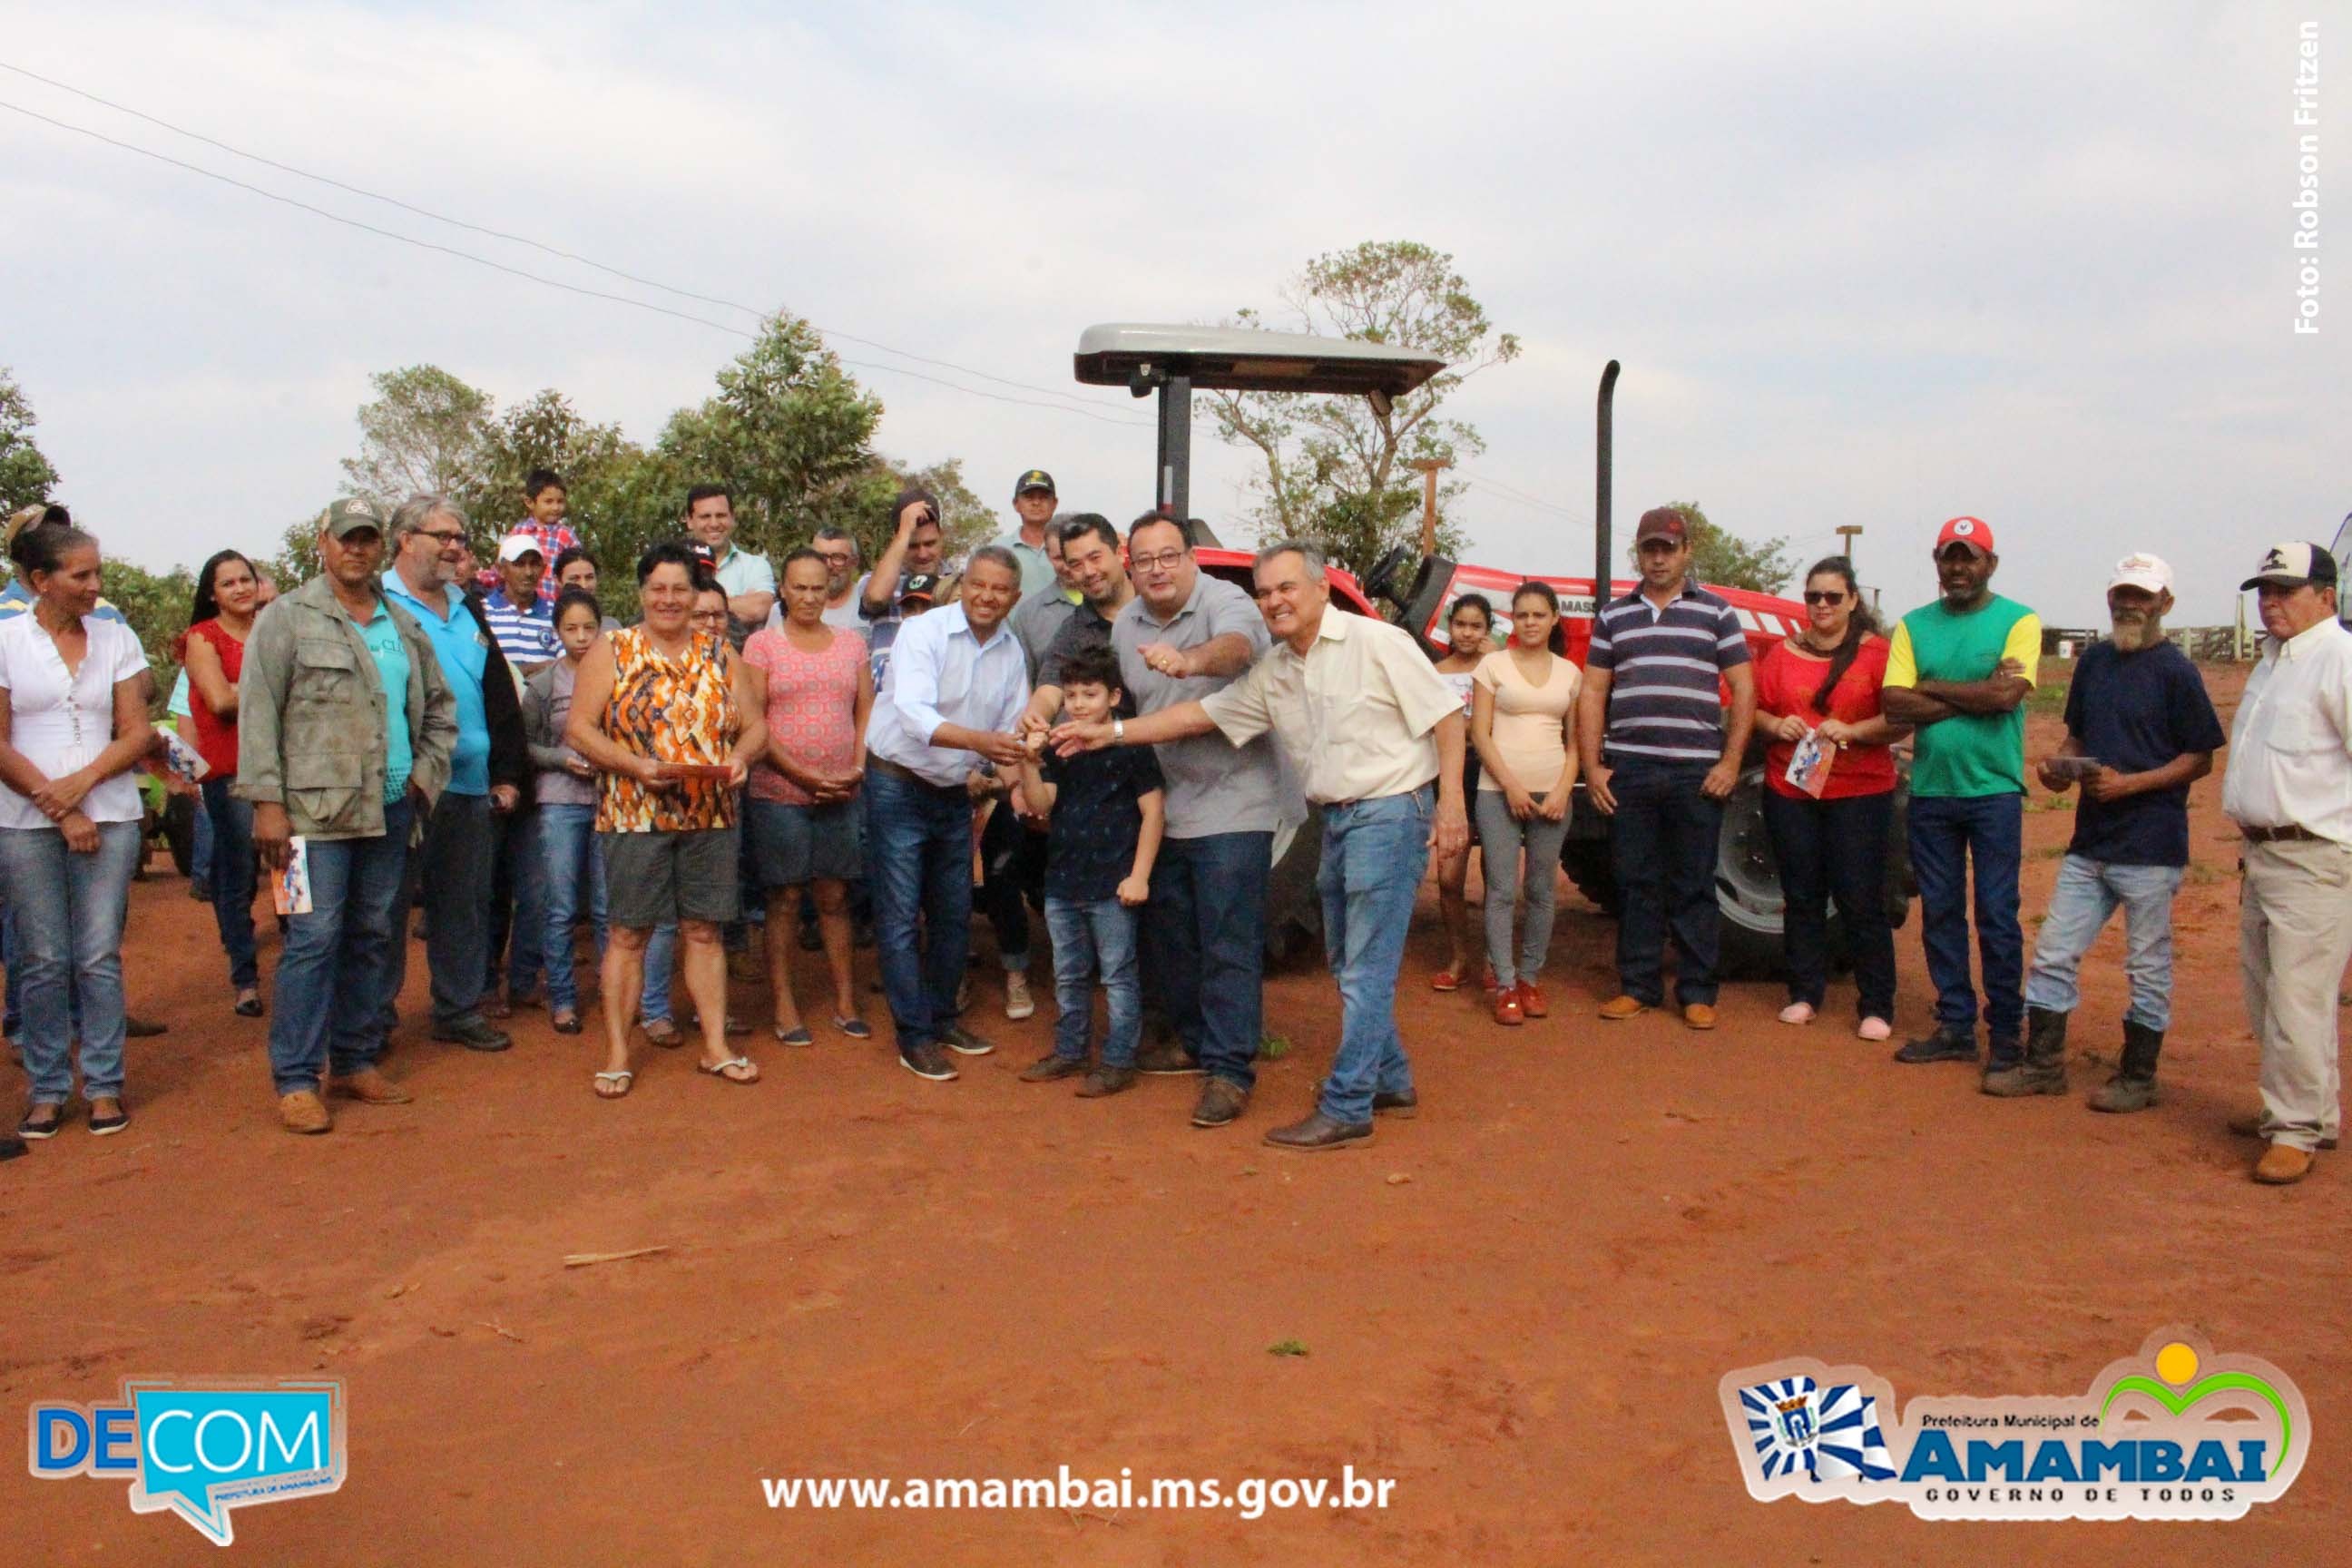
column 214, row 655
column 1831, row 843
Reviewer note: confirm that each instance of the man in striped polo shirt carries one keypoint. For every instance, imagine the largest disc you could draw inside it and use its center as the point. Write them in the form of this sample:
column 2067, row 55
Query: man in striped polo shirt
column 1661, row 755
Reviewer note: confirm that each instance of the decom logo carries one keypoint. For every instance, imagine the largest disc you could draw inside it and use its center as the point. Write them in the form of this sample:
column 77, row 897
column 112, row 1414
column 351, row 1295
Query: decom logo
column 2176, row 1432
column 199, row 1447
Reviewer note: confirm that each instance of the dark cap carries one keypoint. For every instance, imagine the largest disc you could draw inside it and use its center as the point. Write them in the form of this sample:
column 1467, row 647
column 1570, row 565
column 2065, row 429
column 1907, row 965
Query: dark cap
column 1034, row 480
column 1662, row 522
column 353, row 514
column 2292, row 565
column 923, row 585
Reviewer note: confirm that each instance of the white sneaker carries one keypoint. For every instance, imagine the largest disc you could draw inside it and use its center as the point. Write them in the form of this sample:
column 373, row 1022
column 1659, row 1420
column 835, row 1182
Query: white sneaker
column 1018, row 1003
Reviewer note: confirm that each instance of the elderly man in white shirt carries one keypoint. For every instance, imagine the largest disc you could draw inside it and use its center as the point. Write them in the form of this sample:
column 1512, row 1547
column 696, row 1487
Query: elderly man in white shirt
column 956, row 683
column 1369, row 726
column 2289, row 790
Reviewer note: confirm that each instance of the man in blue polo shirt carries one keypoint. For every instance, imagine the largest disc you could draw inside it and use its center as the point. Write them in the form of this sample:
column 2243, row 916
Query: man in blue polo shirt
column 1661, row 754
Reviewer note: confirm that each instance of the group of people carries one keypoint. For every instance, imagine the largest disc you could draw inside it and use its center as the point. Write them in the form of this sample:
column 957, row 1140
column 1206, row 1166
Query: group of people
column 1111, row 735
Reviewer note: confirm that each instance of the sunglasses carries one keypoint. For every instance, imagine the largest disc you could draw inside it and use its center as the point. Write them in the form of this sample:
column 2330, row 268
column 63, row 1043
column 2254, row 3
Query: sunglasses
column 1824, row 596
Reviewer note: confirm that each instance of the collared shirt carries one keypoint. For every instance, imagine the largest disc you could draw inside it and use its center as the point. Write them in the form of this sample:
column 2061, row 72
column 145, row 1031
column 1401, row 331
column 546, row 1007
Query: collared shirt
column 391, row 658
column 463, row 654
column 1353, row 716
column 554, row 539
column 1084, row 630
column 740, row 573
column 60, row 722
column 940, row 673
column 526, row 635
column 1036, row 619
column 1665, row 667
column 1211, row 787
column 2291, row 745
column 1037, row 566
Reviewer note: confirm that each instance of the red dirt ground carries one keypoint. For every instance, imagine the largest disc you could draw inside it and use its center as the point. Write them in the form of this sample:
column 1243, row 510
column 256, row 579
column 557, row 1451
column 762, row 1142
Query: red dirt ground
column 1517, row 1306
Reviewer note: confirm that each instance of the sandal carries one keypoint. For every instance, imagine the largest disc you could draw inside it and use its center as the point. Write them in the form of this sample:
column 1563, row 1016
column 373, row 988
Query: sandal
column 565, row 1023
column 1446, row 980
column 624, row 1079
column 795, row 1036
column 855, row 1028
column 729, row 1069
column 662, row 1032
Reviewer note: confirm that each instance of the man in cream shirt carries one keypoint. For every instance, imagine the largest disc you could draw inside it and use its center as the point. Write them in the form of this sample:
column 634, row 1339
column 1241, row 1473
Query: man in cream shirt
column 1375, row 737
column 2289, row 790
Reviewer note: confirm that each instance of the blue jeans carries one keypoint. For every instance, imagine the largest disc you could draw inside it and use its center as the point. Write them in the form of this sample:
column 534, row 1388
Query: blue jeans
column 919, row 853
column 454, row 864
column 1374, row 853
column 67, row 910
column 2087, row 892
column 232, row 877
column 517, row 904
column 1663, row 846
column 572, row 873
column 1947, row 833
column 200, row 842
column 1834, row 849
column 339, row 972
column 1206, row 922
column 661, row 963
column 1087, row 938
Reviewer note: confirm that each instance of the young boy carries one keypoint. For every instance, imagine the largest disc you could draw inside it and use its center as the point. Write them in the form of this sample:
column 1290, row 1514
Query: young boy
column 1105, row 812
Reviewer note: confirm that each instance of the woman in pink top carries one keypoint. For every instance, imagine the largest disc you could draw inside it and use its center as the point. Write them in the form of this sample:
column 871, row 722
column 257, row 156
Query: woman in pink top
column 804, row 807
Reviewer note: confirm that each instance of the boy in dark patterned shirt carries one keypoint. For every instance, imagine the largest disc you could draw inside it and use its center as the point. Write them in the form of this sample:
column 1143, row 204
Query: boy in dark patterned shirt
column 1105, row 810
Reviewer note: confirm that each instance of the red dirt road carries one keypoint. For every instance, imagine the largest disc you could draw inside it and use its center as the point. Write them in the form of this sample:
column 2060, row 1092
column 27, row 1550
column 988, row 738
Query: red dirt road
column 1518, row 1306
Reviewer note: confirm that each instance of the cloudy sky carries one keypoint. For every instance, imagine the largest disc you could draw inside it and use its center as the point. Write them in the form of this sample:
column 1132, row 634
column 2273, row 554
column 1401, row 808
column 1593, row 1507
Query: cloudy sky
column 1864, row 263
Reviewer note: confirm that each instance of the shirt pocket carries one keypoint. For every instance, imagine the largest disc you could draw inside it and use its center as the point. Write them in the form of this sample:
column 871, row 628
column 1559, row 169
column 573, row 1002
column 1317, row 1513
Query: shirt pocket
column 2301, row 728
column 325, row 672
column 323, row 787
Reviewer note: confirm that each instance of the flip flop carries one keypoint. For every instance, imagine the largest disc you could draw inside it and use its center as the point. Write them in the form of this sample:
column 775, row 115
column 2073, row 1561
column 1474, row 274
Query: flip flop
column 799, row 1037
column 855, row 1028
column 626, row 1078
column 726, row 1070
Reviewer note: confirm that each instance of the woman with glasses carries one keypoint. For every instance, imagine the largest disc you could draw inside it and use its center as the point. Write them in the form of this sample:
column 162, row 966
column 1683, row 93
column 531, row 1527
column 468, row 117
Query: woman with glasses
column 1830, row 840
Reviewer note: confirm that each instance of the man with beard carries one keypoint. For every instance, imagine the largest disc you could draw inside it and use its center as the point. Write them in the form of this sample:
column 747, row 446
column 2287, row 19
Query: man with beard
column 2139, row 731
column 1958, row 672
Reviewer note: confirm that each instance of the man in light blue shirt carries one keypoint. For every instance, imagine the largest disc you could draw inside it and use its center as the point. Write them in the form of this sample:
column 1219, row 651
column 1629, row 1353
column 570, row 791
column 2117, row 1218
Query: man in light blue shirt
column 749, row 579
column 956, row 684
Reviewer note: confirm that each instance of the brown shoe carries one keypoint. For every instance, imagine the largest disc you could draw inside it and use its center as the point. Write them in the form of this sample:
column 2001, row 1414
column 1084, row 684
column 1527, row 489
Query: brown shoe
column 2250, row 1125
column 1700, row 1015
column 1051, row 1066
column 303, row 1111
column 1318, row 1133
column 2282, row 1165
column 1617, row 1009
column 369, row 1087
column 1221, row 1102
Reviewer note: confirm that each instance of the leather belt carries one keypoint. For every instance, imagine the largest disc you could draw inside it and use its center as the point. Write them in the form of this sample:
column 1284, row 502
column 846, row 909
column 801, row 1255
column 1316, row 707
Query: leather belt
column 2280, row 835
column 908, row 775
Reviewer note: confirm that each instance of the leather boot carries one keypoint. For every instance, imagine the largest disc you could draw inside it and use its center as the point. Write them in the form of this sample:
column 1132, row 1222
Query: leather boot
column 2134, row 1086
column 2044, row 1068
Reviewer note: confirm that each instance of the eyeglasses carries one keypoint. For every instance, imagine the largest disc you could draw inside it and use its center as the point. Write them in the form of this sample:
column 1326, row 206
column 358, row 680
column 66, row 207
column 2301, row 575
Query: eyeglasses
column 444, row 539
column 1164, row 562
column 709, row 616
column 1820, row 597
column 835, row 557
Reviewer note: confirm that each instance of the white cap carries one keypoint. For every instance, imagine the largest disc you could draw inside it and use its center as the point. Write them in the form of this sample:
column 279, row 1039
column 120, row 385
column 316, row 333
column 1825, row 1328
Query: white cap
column 2141, row 569
column 515, row 546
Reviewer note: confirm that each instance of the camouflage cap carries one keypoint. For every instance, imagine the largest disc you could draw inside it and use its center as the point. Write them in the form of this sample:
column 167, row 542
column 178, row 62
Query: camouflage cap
column 354, row 512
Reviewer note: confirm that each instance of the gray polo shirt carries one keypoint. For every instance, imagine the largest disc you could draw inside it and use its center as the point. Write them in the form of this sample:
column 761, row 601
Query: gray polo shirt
column 1214, row 786
column 1035, row 620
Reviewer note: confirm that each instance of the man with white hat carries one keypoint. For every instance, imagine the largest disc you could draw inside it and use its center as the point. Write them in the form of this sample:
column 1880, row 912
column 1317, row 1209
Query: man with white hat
column 2139, row 731
column 2289, row 790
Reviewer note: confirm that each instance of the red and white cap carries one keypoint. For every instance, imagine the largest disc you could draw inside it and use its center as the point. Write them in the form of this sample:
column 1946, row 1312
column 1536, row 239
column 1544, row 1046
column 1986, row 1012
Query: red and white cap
column 1973, row 531
column 2141, row 569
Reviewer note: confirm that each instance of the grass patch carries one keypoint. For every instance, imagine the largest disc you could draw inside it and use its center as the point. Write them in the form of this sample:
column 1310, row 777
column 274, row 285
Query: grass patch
column 2053, row 802
column 1286, row 1347
column 2202, row 875
column 2048, row 699
column 1273, row 1048
column 2050, row 852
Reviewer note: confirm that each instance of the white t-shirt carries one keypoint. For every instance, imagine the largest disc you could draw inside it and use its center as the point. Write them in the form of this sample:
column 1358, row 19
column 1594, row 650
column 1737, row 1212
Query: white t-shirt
column 62, row 723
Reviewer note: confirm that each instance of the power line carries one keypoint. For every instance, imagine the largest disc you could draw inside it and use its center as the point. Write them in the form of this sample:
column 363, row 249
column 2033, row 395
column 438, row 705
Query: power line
column 524, row 239
column 536, row 278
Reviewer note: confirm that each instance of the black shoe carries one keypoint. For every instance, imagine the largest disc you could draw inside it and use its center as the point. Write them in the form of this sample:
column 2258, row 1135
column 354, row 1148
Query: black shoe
column 1050, row 1068
column 101, row 1125
column 199, row 893
column 1105, row 1081
column 10, row 1146
column 1398, row 1105
column 1166, row 1058
column 139, row 1029
column 811, row 939
column 1949, row 1043
column 964, row 1043
column 474, row 1035
column 1221, row 1102
column 34, row 1132
column 1318, row 1132
column 928, row 1062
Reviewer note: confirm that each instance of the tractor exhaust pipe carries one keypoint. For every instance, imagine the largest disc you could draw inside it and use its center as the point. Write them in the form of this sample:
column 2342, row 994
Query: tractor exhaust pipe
column 1602, row 568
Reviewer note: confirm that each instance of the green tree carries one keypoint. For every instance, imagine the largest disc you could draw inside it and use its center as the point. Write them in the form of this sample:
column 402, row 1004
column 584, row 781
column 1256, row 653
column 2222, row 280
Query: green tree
column 26, row 476
column 1334, row 468
column 426, row 431
column 156, row 604
column 1725, row 560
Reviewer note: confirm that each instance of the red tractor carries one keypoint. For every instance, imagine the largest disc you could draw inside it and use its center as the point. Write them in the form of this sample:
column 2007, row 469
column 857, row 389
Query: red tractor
column 1415, row 592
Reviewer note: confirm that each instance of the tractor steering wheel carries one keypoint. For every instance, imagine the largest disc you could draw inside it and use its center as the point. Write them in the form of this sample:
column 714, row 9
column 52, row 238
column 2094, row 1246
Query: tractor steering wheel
column 1380, row 582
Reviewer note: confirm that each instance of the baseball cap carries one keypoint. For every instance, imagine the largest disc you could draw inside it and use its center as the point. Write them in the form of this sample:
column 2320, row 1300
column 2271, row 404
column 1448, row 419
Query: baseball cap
column 1973, row 531
column 2141, row 569
column 354, row 512
column 1034, row 480
column 515, row 546
column 30, row 517
column 923, row 585
column 2292, row 564
column 1662, row 523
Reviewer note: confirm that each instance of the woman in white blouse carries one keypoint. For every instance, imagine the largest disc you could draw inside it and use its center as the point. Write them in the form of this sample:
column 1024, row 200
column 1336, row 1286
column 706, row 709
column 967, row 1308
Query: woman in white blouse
column 73, row 722
column 1522, row 700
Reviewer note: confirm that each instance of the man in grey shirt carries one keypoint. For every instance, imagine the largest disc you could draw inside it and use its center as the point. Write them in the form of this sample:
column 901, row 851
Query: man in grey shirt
column 1039, row 616
column 1183, row 636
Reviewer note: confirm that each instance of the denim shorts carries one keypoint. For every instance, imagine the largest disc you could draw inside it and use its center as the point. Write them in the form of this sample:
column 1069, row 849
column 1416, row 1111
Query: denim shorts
column 795, row 844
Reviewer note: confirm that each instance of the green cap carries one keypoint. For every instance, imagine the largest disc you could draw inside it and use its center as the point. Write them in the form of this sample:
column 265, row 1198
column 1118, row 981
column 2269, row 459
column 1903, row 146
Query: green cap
column 354, row 512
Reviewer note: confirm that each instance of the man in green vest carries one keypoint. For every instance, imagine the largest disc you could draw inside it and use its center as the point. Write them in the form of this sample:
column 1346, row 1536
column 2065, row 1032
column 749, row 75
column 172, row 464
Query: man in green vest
column 1959, row 672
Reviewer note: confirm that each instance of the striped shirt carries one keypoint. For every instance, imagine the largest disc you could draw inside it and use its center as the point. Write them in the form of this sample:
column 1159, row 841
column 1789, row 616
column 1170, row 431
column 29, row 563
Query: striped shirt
column 526, row 634
column 1666, row 668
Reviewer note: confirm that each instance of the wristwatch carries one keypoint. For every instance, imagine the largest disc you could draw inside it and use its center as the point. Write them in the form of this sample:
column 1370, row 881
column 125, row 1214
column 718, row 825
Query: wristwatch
column 1118, row 731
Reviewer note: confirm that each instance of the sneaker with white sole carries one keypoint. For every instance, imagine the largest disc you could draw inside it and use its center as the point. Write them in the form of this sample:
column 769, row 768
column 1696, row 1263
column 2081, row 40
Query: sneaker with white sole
column 1018, row 1003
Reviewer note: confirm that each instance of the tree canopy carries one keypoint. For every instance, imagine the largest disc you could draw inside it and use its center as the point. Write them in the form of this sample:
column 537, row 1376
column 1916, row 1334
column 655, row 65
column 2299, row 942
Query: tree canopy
column 1725, row 560
column 26, row 476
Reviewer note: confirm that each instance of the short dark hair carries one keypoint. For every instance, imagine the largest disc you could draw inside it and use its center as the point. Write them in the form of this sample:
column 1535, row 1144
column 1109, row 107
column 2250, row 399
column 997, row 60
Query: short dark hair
column 44, row 547
column 1091, row 667
column 1078, row 524
column 670, row 552
column 802, row 553
column 701, row 493
column 566, row 556
column 574, row 598
column 1148, row 517
column 539, row 479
